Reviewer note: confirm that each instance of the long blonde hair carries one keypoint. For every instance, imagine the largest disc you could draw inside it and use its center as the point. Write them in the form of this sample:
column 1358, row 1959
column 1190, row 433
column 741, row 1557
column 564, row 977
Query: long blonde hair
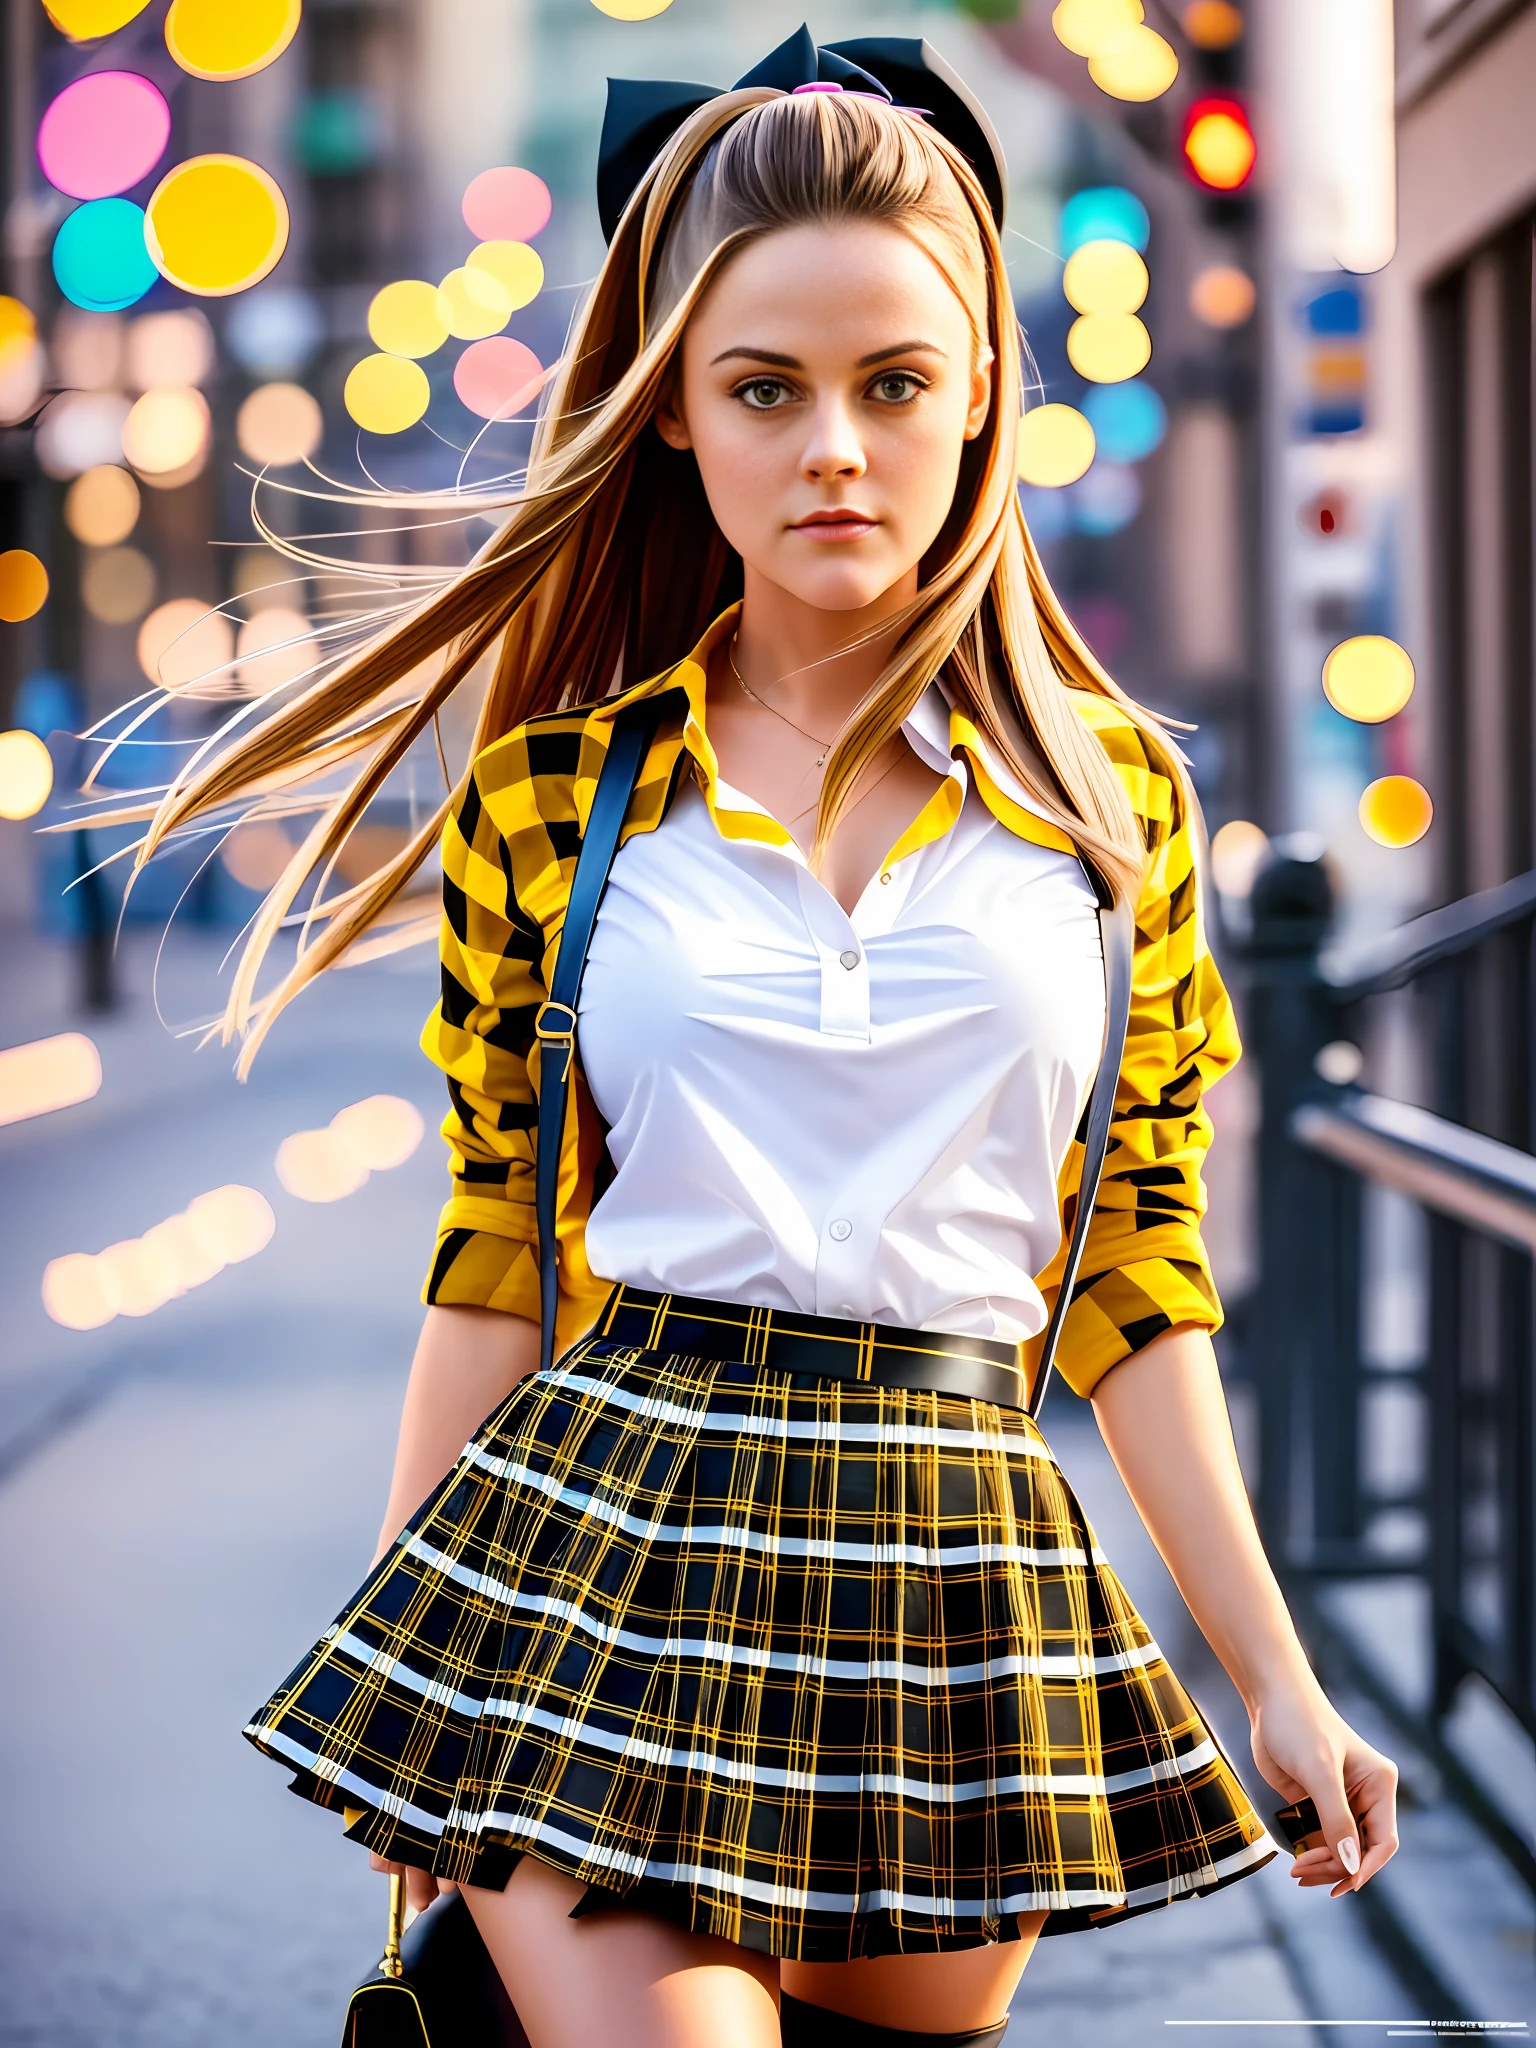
column 609, row 566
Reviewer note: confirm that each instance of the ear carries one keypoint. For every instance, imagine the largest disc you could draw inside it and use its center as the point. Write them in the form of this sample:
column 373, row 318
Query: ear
column 670, row 419
column 981, row 394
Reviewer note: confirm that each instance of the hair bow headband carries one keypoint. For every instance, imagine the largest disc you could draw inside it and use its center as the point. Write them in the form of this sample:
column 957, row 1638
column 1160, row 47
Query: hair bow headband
column 906, row 71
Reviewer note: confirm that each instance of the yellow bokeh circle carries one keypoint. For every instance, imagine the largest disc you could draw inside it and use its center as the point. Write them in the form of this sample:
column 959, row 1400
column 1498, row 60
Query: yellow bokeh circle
column 405, row 319
column 23, row 585
column 631, row 10
column 1056, row 446
column 83, row 20
column 278, row 424
column 386, row 394
column 216, row 225
column 18, row 328
column 473, row 304
column 1396, row 811
column 1083, row 26
column 26, row 774
column 518, row 269
column 167, row 430
column 1137, row 64
column 212, row 39
column 102, row 506
column 1105, row 277
column 1368, row 678
column 1106, row 348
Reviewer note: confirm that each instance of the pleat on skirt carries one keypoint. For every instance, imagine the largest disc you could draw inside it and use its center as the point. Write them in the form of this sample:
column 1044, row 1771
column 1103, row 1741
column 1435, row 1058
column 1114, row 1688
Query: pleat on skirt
column 825, row 1668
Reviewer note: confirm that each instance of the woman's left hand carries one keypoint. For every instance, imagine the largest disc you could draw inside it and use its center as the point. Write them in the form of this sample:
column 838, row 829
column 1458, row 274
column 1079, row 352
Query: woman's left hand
column 1304, row 1749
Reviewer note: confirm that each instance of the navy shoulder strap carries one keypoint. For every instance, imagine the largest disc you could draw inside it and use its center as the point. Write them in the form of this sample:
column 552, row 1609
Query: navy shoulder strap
column 1117, row 938
column 555, row 1024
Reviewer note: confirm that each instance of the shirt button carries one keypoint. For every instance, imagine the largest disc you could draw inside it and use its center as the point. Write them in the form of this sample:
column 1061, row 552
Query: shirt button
column 841, row 1229
column 850, row 959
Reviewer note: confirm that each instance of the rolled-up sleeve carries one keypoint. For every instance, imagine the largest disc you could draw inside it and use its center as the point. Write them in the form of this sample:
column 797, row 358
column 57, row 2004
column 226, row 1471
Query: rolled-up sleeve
column 1145, row 1268
column 481, row 1034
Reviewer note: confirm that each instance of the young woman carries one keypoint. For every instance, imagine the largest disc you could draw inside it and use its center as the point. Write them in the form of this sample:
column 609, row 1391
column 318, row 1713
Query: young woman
column 716, row 1677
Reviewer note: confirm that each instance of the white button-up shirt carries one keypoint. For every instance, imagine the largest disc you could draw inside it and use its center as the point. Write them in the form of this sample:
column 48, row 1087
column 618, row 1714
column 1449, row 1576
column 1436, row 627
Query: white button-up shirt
column 849, row 1115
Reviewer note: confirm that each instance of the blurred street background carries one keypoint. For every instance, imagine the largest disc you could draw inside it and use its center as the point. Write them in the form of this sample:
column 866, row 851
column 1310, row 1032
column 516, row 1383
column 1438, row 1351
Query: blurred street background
column 1274, row 263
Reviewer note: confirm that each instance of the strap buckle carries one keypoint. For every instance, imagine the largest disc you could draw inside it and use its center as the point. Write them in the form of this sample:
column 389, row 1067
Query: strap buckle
column 562, row 1035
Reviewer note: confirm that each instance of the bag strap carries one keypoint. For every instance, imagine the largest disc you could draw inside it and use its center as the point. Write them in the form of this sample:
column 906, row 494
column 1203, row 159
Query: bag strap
column 1117, row 939
column 555, row 1024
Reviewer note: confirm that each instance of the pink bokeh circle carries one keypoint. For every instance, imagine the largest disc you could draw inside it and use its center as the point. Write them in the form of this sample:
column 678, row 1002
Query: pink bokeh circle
column 103, row 133
column 506, row 205
column 498, row 378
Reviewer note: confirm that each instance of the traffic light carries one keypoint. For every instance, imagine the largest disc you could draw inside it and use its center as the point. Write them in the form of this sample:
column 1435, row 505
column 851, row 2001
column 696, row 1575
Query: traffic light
column 1218, row 144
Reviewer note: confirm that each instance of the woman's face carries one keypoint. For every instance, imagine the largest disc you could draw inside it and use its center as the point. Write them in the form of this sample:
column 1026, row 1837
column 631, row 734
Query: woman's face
column 827, row 390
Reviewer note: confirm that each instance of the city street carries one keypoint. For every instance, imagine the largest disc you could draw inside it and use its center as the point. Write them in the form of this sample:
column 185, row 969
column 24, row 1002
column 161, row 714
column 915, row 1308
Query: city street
column 186, row 1499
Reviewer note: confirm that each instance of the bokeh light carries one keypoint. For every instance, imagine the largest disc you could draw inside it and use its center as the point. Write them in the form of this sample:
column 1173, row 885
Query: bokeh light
column 1129, row 420
column 167, row 430
column 518, row 269
column 1213, row 24
column 87, row 349
column 1396, row 811
column 216, row 224
column 23, row 360
column 168, row 348
column 100, row 258
column 506, row 205
column 1105, row 277
column 1368, row 678
column 273, row 647
column 18, row 327
column 498, row 378
column 382, row 1130
column 405, row 319
column 212, row 39
column 263, row 577
column 1107, row 347
column 1221, row 295
column 81, row 431
column 50, row 1074
column 1083, row 26
column 386, row 394
column 83, row 20
column 1137, row 64
column 23, row 585
column 1238, row 851
column 143, row 1273
column 184, row 643
column 1218, row 144
column 1107, row 213
column 1107, row 499
column 117, row 585
column 319, row 1166
column 26, row 774
column 256, row 854
column 632, row 10
column 274, row 331
column 1056, row 446
column 79, row 1292
column 278, row 424
column 103, row 133
column 234, row 1222
column 472, row 304
column 183, row 1251
column 102, row 506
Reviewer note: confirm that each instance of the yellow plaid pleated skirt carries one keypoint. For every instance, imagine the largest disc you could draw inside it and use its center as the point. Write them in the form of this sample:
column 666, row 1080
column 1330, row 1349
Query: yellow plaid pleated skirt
column 823, row 1667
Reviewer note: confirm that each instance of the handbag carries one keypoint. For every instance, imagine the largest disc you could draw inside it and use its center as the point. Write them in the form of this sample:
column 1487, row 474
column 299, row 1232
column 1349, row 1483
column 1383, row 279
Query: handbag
column 438, row 1988
column 435, row 1985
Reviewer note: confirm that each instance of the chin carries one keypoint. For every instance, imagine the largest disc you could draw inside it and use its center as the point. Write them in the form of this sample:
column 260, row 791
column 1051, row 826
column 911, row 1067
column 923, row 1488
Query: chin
column 841, row 587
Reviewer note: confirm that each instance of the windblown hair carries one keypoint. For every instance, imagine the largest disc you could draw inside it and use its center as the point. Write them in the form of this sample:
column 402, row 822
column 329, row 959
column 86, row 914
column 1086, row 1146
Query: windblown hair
column 609, row 565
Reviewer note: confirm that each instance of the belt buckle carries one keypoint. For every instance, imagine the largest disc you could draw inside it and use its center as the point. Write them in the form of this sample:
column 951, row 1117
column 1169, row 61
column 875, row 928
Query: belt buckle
column 564, row 1037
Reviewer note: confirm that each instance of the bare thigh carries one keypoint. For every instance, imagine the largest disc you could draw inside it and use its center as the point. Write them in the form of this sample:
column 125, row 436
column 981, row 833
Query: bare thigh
column 619, row 1977
column 944, row 1994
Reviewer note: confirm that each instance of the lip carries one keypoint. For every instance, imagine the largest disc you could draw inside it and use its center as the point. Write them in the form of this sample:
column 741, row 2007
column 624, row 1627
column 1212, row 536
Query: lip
column 842, row 524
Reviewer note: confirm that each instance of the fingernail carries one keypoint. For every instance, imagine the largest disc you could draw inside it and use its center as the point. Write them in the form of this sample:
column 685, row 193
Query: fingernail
column 1349, row 1854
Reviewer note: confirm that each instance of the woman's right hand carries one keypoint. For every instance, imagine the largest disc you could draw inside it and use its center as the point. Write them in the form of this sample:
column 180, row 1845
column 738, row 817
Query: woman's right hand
column 421, row 1887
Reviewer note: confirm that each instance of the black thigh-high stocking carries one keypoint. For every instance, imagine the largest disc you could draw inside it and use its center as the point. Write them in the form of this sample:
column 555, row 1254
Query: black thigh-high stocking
column 812, row 2026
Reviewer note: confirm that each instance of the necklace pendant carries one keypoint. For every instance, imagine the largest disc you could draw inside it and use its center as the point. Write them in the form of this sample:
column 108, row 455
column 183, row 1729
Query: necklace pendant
column 821, row 760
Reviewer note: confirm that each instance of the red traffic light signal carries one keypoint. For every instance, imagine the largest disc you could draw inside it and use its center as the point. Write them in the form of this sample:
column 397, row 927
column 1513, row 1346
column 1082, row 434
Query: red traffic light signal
column 1219, row 149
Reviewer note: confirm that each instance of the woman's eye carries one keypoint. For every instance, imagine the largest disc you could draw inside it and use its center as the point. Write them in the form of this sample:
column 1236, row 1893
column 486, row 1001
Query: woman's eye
column 896, row 387
column 763, row 394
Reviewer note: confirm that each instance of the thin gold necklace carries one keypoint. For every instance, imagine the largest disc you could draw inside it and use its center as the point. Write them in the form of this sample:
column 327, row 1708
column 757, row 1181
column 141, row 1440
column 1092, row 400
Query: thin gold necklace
column 857, row 800
column 825, row 745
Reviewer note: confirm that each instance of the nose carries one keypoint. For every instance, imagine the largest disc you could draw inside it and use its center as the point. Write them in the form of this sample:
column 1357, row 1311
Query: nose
column 833, row 449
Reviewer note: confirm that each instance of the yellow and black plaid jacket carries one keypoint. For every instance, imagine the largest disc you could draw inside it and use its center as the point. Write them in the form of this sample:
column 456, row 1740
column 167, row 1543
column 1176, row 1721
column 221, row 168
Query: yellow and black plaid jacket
column 509, row 854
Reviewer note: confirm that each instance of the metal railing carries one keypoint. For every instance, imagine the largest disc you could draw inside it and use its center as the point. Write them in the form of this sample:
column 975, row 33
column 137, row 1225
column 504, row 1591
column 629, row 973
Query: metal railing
column 1459, row 1524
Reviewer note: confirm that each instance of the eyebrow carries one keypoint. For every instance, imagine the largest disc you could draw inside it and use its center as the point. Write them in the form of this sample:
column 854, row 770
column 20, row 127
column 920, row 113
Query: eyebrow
column 782, row 362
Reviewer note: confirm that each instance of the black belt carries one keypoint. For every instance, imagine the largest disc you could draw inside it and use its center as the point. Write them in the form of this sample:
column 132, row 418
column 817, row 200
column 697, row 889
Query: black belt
column 976, row 1368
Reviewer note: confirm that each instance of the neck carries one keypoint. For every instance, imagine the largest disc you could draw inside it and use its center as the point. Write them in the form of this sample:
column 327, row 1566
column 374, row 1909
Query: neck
column 815, row 665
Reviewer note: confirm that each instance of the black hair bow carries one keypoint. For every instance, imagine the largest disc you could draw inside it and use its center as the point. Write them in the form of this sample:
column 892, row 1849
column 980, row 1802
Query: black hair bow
column 644, row 113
